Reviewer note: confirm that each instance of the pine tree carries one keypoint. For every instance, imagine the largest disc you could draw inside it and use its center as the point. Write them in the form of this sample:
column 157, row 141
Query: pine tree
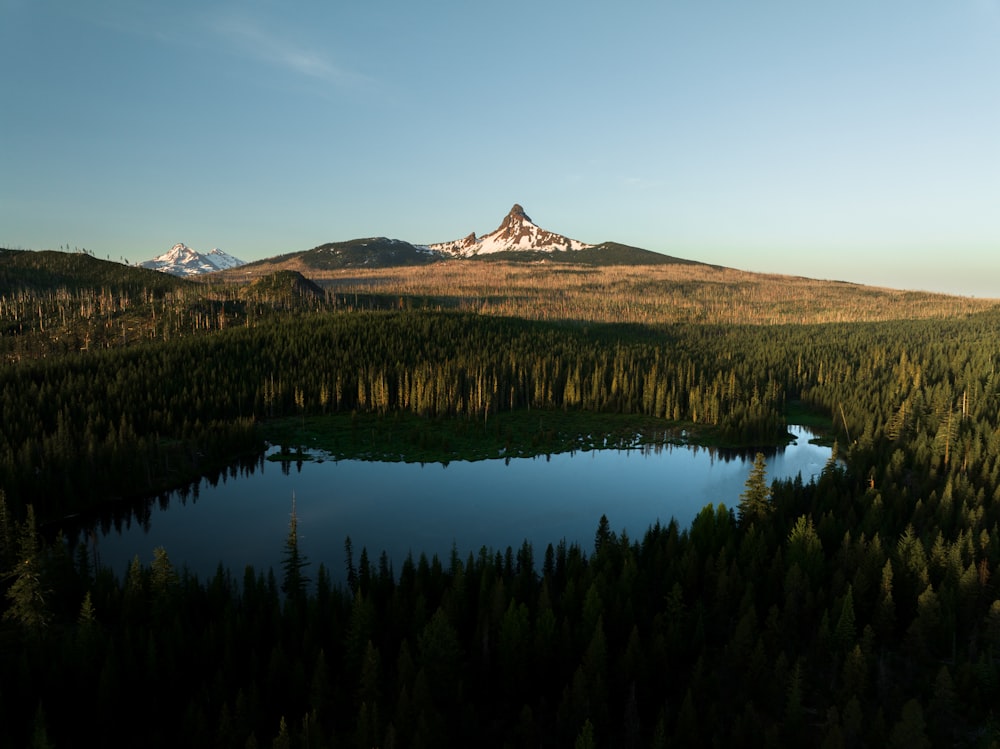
column 755, row 501
column 885, row 612
column 603, row 535
column 794, row 714
column 40, row 736
column 163, row 577
column 7, row 544
column 294, row 582
column 585, row 739
column 87, row 617
column 910, row 730
column 846, row 631
column 352, row 572
column 26, row 594
column 283, row 740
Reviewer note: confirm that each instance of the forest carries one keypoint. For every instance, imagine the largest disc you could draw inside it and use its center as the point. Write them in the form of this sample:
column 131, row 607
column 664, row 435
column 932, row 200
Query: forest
column 859, row 609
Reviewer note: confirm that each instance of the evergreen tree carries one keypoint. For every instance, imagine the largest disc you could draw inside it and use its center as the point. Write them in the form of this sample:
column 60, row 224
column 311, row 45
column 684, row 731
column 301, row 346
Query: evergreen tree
column 910, row 730
column 755, row 501
column 162, row 577
column 585, row 739
column 294, row 582
column 87, row 617
column 7, row 545
column 352, row 572
column 27, row 594
column 603, row 536
column 283, row 740
column 40, row 736
column 846, row 631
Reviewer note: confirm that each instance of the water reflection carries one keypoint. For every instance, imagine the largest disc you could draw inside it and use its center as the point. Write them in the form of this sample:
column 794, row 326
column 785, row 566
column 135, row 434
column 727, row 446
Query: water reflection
column 239, row 516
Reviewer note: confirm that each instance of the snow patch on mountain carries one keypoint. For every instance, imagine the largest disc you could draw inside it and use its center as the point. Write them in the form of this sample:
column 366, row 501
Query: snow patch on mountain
column 516, row 232
column 181, row 260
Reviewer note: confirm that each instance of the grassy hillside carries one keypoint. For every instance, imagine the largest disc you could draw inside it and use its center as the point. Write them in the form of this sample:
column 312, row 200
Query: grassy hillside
column 679, row 292
column 55, row 302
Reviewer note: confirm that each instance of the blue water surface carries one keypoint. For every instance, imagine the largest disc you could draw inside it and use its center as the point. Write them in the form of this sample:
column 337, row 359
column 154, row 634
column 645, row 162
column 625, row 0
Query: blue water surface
column 404, row 508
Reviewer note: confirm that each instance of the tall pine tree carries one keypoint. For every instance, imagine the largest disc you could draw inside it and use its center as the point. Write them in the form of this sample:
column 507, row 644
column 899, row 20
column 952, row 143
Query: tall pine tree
column 27, row 594
column 294, row 582
column 755, row 501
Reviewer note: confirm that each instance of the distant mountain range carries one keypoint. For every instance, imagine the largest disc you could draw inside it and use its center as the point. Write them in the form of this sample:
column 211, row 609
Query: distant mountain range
column 181, row 260
column 517, row 239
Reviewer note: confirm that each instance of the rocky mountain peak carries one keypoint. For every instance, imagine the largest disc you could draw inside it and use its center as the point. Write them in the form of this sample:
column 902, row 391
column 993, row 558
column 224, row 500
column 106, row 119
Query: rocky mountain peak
column 516, row 232
column 517, row 212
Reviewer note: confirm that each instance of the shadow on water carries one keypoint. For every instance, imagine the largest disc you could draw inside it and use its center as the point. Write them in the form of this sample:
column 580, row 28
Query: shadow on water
column 238, row 516
column 122, row 515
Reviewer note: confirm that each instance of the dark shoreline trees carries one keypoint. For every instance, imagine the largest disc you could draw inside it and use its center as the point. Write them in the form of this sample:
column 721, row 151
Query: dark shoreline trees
column 797, row 629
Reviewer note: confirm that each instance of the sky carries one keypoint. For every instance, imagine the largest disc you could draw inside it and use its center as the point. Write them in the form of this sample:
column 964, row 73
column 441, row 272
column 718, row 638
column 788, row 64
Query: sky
column 856, row 140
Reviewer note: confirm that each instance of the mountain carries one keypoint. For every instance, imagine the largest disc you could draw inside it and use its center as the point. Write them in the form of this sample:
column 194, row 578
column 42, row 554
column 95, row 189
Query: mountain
column 372, row 252
column 181, row 260
column 516, row 233
column 519, row 239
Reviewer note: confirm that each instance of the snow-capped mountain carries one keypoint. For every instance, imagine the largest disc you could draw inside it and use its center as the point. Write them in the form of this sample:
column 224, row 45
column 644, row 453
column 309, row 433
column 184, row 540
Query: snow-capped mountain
column 181, row 260
column 517, row 240
column 516, row 232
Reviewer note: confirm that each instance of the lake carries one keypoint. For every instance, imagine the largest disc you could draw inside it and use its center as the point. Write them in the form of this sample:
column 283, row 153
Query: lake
column 404, row 508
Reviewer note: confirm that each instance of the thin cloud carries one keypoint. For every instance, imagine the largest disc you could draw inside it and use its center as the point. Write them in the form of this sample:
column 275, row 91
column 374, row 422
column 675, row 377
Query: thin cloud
column 251, row 39
column 236, row 33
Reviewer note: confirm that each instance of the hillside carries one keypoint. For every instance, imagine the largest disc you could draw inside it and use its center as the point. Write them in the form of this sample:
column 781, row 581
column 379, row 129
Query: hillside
column 604, row 254
column 372, row 252
column 672, row 292
column 54, row 303
column 286, row 285
column 50, row 270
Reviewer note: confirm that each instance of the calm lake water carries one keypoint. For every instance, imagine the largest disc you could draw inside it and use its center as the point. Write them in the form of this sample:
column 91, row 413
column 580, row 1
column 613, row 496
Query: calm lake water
column 404, row 508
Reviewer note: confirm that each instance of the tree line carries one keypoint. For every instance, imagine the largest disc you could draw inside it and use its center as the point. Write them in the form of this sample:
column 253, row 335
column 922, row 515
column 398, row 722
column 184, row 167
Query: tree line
column 80, row 427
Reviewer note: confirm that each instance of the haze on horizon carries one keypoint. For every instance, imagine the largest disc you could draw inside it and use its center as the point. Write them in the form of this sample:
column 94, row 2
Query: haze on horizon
column 852, row 141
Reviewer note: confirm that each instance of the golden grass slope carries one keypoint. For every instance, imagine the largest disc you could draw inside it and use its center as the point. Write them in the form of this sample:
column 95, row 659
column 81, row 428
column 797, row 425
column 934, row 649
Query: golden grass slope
column 642, row 294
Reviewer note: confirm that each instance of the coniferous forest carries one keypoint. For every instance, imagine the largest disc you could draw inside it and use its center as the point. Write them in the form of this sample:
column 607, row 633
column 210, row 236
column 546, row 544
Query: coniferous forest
column 861, row 609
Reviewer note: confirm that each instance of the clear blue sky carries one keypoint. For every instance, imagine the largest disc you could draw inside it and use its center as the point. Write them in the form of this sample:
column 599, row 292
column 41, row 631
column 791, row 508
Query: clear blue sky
column 855, row 140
